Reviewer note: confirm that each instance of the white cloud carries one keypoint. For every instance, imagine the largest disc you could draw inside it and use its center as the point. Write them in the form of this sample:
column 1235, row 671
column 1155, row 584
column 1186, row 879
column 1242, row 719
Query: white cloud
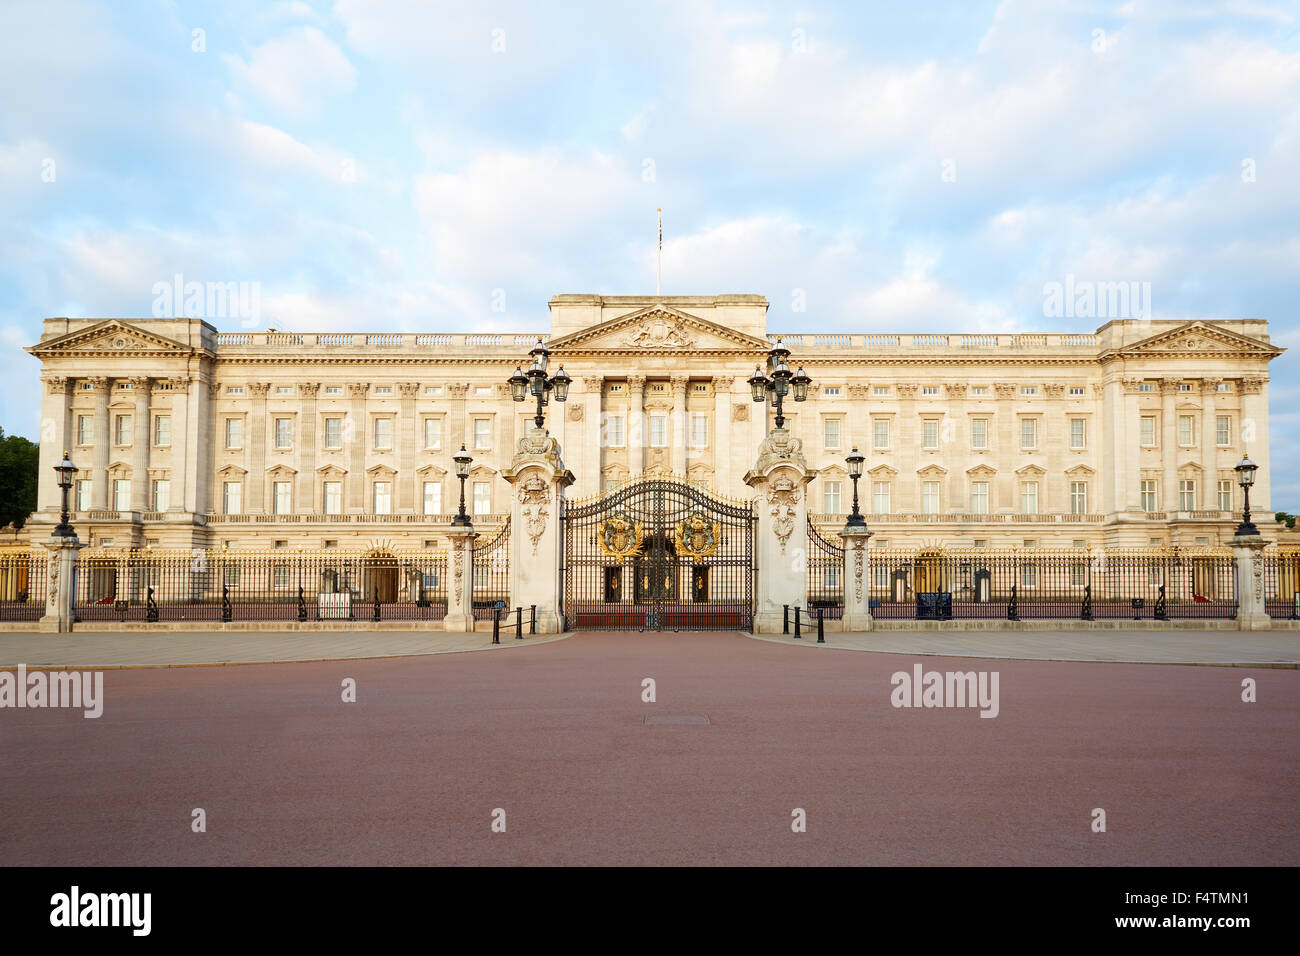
column 297, row 71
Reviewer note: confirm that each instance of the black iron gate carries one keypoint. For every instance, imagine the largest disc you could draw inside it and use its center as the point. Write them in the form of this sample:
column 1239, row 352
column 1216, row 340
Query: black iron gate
column 658, row 554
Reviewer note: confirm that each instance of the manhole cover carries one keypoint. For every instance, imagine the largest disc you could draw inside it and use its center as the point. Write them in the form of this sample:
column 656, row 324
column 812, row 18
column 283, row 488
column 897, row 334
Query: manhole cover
column 677, row 719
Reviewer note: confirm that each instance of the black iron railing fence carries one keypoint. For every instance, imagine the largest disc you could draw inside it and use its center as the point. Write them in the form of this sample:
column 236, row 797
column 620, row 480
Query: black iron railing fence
column 1030, row 584
column 277, row 585
column 1281, row 583
column 825, row 573
column 22, row 583
column 492, row 574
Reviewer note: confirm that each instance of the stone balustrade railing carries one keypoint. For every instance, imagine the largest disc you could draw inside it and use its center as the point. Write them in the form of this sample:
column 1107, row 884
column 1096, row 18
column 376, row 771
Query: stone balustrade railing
column 928, row 342
column 378, row 340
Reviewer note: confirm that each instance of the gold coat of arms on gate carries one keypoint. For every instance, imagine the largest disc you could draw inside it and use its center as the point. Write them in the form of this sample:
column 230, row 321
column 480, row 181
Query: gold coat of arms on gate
column 620, row 537
column 697, row 537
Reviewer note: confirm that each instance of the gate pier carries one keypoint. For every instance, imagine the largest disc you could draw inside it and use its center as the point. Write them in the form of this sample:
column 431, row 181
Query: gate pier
column 780, row 478
column 537, row 479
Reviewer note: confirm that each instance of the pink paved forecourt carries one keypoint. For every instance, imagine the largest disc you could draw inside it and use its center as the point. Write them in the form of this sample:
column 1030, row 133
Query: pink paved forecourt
column 555, row 734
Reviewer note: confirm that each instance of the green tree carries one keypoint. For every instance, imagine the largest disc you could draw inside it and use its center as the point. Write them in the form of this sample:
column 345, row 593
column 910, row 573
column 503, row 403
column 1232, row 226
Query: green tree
column 1286, row 519
column 19, row 472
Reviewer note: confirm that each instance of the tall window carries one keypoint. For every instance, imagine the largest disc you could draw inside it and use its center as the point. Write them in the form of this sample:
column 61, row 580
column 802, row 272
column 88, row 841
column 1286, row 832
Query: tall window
column 880, row 497
column 658, row 430
column 1187, row 495
column 162, row 430
column 930, row 433
column 880, row 433
column 832, row 433
column 85, row 429
column 699, row 430
column 1029, row 497
column 280, row 502
column 1078, row 497
column 232, row 498
column 433, row 433
column 433, row 497
column 979, row 497
column 831, row 498
column 482, row 498
column 332, row 495
column 1028, row 433
column 615, row 431
column 383, row 498
column 283, row 432
column 122, row 430
column 1225, row 494
column 83, row 495
column 482, row 434
column 383, row 436
column 1149, row 498
column 234, row 433
column 1186, row 429
column 1222, row 430
column 979, row 433
column 162, row 494
column 333, row 433
column 121, row 494
column 930, row 497
column 1148, row 430
column 1078, row 434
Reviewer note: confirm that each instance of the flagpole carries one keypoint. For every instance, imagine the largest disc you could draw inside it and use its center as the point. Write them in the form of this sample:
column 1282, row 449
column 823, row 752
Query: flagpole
column 659, row 254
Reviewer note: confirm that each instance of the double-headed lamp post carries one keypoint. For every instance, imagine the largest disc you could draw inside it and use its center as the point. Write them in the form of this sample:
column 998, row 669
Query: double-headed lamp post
column 462, row 460
column 780, row 382
column 536, row 381
column 855, row 460
column 1245, row 478
column 64, row 470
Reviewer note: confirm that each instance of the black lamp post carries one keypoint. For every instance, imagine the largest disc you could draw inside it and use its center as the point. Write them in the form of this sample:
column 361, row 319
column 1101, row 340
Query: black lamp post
column 462, row 460
column 1245, row 478
column 65, row 470
column 855, row 461
column 780, row 383
column 536, row 381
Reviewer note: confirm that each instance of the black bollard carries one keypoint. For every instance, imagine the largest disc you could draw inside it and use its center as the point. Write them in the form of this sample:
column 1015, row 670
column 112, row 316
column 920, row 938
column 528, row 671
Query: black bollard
column 519, row 624
column 785, row 620
column 821, row 633
column 797, row 632
column 496, row 625
column 532, row 619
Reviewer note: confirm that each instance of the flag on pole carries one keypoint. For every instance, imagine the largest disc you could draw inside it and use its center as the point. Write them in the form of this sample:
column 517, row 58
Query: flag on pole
column 659, row 255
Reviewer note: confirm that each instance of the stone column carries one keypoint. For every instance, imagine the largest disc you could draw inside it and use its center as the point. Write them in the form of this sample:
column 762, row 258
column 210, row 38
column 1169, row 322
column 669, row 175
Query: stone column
column 906, row 442
column 460, row 586
column 56, row 438
column 140, row 442
column 1208, row 493
column 182, row 478
column 780, row 478
column 1007, row 451
column 256, row 502
column 636, row 425
column 406, row 478
column 356, row 438
column 537, row 479
column 680, row 423
column 724, row 479
column 305, row 499
column 1254, row 422
column 1169, row 445
column 593, row 450
column 856, row 579
column 1248, row 577
column 456, row 420
column 103, row 443
column 60, row 583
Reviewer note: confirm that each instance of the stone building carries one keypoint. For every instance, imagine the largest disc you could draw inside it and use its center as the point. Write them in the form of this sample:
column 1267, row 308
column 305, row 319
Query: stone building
column 191, row 437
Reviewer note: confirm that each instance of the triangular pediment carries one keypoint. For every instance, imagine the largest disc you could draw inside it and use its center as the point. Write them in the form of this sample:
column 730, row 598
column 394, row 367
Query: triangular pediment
column 882, row 471
column 658, row 329
column 1197, row 339
column 111, row 337
column 1030, row 471
column 431, row 472
column 1079, row 471
column 231, row 471
column 932, row 471
column 381, row 471
column 331, row 471
column 981, row 471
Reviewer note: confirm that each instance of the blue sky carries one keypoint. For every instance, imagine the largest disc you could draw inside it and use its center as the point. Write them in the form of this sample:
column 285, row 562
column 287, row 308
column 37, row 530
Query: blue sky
column 394, row 165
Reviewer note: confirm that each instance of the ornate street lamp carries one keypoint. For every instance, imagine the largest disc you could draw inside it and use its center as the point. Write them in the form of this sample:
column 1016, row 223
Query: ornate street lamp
column 462, row 460
column 780, row 382
column 64, row 470
column 536, row 381
column 1245, row 478
column 855, row 460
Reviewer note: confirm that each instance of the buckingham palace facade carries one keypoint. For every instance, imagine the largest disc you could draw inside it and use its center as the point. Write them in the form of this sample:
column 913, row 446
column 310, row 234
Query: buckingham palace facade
column 187, row 436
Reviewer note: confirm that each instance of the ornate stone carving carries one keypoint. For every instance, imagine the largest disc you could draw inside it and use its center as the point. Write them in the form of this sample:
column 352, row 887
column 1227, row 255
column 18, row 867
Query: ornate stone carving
column 52, row 586
column 593, row 383
column 956, row 390
column 358, row 389
column 679, row 383
column 139, row 383
column 636, row 383
column 660, row 331
column 1253, row 385
column 57, row 384
column 1169, row 386
column 1004, row 390
column 723, row 383
column 536, row 443
column 408, row 389
column 259, row 389
column 858, row 393
column 1210, row 385
column 534, row 496
column 859, row 551
column 783, row 505
column 100, row 382
column 907, row 391
column 458, row 391
column 308, row 389
column 576, row 412
column 1054, row 390
column 740, row 412
column 780, row 446
column 458, row 570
